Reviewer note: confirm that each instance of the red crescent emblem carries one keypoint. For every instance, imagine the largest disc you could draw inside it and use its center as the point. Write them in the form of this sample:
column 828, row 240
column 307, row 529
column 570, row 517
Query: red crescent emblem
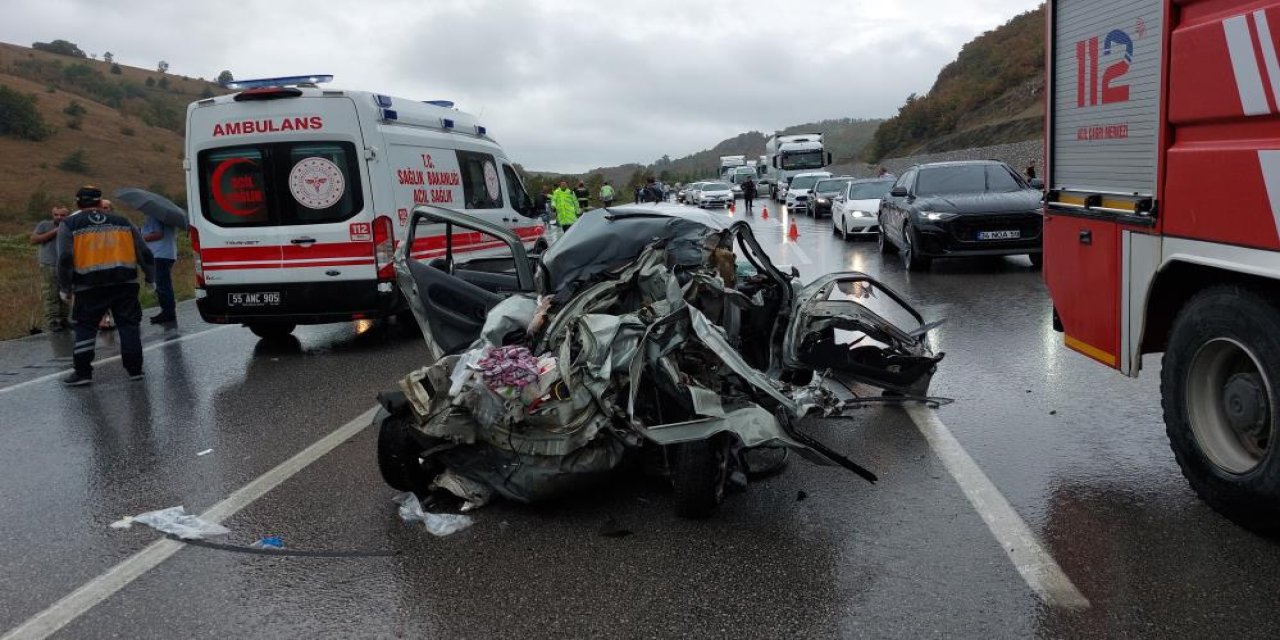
column 220, row 197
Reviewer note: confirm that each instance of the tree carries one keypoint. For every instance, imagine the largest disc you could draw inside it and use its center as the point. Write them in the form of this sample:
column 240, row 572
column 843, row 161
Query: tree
column 151, row 82
column 19, row 117
column 162, row 67
column 163, row 84
column 108, row 57
column 225, row 77
column 75, row 162
column 60, row 47
column 115, row 68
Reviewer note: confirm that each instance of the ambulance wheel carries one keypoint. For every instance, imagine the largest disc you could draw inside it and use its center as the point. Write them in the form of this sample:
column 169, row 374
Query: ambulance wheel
column 271, row 330
column 1221, row 401
column 1037, row 260
column 398, row 453
column 700, row 476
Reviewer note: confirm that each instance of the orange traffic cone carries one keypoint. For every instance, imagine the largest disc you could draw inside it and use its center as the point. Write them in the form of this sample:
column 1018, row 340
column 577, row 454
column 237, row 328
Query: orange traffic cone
column 732, row 208
column 794, row 232
column 764, row 213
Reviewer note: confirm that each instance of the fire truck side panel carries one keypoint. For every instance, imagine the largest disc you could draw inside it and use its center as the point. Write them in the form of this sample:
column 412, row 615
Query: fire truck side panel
column 1092, row 245
column 1224, row 89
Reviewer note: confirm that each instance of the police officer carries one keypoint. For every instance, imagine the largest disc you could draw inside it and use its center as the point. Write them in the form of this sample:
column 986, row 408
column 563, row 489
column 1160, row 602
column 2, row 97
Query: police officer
column 99, row 254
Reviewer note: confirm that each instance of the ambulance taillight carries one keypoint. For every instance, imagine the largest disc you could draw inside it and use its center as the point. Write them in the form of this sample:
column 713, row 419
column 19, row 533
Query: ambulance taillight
column 384, row 247
column 195, row 253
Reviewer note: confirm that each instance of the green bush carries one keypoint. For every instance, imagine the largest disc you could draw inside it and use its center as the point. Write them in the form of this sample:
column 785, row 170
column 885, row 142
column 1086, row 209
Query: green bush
column 75, row 162
column 115, row 69
column 75, row 123
column 19, row 117
column 39, row 203
column 74, row 109
column 127, row 130
column 60, row 47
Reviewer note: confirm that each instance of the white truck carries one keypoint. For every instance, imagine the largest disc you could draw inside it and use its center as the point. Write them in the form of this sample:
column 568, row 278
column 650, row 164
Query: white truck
column 789, row 155
column 729, row 163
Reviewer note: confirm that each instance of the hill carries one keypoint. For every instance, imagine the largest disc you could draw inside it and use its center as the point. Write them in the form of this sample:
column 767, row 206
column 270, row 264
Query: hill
column 124, row 122
column 992, row 93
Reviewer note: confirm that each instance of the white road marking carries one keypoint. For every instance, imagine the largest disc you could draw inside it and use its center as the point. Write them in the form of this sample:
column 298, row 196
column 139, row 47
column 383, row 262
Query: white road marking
column 1040, row 571
column 150, row 347
column 801, row 256
column 90, row 594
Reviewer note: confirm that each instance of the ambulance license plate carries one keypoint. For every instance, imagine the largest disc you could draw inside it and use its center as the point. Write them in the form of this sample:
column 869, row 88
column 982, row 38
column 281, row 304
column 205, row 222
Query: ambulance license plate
column 254, row 299
column 1000, row 235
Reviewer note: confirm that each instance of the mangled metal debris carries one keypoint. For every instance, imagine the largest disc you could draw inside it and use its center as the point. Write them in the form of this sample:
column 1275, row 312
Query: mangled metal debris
column 644, row 333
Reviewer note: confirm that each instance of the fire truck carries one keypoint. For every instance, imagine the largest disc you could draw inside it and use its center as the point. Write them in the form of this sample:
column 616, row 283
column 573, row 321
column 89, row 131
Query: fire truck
column 1162, row 222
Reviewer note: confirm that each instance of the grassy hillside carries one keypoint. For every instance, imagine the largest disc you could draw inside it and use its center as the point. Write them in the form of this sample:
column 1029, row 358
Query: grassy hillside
column 111, row 129
column 992, row 93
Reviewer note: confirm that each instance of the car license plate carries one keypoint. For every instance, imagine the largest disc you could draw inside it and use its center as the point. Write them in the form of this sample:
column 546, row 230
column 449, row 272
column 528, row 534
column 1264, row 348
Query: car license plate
column 254, row 299
column 1000, row 235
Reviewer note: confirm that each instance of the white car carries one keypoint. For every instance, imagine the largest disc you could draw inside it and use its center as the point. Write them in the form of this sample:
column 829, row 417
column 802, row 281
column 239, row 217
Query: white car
column 854, row 212
column 688, row 193
column 801, row 185
column 713, row 194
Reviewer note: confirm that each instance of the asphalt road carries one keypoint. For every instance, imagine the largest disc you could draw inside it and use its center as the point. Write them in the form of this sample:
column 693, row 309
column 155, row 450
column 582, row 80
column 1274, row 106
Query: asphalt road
column 1077, row 452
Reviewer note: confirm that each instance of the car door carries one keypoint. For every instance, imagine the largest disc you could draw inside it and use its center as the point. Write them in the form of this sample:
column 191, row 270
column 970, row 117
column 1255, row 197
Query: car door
column 893, row 209
column 451, row 299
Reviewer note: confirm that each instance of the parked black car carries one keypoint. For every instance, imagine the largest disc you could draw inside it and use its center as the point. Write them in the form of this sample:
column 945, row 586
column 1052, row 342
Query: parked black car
column 824, row 192
column 953, row 209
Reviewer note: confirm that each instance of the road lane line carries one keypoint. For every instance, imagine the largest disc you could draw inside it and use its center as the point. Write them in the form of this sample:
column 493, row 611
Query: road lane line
column 90, row 594
column 1040, row 571
column 183, row 338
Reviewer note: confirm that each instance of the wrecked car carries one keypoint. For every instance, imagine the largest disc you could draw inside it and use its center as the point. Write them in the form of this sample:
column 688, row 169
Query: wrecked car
column 648, row 333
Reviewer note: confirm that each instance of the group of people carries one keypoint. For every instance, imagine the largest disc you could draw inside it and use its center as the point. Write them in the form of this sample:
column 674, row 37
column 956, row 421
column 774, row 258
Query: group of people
column 565, row 205
column 89, row 262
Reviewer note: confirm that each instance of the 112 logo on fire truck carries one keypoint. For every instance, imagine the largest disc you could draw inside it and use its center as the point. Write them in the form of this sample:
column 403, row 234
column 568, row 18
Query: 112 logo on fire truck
column 1092, row 91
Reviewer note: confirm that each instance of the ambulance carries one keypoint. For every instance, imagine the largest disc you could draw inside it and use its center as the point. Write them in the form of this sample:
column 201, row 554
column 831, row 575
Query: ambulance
column 299, row 196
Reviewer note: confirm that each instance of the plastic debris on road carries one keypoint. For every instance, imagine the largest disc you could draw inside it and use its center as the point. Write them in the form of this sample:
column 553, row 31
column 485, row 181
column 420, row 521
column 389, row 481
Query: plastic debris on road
column 175, row 521
column 437, row 524
column 269, row 542
column 204, row 453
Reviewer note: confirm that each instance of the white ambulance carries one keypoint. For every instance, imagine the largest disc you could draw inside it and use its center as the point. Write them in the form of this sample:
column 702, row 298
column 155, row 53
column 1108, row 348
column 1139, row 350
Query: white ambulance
column 299, row 196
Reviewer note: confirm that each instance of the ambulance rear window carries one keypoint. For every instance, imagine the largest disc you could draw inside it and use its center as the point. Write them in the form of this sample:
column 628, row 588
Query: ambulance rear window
column 286, row 183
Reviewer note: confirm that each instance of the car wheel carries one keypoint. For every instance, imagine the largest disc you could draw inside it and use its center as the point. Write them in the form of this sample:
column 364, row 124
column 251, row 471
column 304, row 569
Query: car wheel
column 1037, row 260
column 883, row 243
column 271, row 330
column 835, row 230
column 911, row 258
column 844, row 229
column 700, row 476
column 398, row 453
column 1218, row 385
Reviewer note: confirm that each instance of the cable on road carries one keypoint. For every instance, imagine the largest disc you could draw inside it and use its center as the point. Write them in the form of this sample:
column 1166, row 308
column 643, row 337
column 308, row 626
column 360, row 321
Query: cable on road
column 300, row 553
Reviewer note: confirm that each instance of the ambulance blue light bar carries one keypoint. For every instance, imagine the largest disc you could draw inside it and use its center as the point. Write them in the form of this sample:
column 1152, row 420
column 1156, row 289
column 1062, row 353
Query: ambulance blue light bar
column 447, row 104
column 383, row 101
column 481, row 130
column 284, row 81
column 446, row 123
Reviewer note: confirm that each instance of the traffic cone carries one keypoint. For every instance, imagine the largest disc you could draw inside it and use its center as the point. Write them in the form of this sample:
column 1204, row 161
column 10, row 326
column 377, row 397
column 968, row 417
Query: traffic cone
column 764, row 213
column 794, row 232
column 732, row 208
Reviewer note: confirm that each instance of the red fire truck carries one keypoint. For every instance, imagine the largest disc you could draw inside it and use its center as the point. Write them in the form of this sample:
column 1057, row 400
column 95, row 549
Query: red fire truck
column 1162, row 221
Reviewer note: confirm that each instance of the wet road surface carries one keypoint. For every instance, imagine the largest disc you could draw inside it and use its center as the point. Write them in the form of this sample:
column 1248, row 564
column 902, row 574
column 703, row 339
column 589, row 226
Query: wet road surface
column 1078, row 452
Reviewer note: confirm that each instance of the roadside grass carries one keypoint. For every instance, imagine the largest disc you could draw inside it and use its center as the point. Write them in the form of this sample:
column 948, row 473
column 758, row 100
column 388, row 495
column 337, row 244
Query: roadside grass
column 20, row 306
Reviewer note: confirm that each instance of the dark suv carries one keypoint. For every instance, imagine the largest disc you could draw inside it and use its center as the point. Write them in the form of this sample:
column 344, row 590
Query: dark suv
column 824, row 192
column 955, row 209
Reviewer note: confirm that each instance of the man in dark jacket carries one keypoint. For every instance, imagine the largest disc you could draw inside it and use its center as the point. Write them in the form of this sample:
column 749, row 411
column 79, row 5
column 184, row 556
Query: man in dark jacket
column 99, row 254
column 583, row 194
column 748, row 192
column 652, row 192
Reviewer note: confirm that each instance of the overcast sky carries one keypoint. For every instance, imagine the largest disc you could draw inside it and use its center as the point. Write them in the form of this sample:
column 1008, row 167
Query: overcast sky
column 564, row 85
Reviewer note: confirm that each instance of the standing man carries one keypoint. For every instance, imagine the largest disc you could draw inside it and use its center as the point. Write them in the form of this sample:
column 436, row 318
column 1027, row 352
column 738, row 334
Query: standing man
column 99, row 254
column 1030, row 171
column 45, row 236
column 748, row 192
column 884, row 173
column 606, row 194
column 583, row 194
column 161, row 240
column 565, row 204
column 652, row 192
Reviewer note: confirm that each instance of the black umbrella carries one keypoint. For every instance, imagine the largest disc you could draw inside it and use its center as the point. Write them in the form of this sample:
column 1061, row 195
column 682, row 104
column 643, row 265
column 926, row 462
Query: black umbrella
column 154, row 206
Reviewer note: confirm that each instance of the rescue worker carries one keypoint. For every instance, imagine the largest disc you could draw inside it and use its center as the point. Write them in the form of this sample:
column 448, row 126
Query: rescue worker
column 606, row 194
column 583, row 194
column 99, row 254
column 565, row 204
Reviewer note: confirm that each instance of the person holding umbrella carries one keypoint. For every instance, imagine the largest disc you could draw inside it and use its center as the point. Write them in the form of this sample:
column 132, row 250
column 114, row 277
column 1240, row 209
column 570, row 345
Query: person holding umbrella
column 164, row 218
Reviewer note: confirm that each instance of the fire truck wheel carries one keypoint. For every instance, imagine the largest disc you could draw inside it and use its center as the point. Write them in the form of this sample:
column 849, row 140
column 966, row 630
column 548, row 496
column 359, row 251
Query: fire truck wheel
column 271, row 330
column 1220, row 386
